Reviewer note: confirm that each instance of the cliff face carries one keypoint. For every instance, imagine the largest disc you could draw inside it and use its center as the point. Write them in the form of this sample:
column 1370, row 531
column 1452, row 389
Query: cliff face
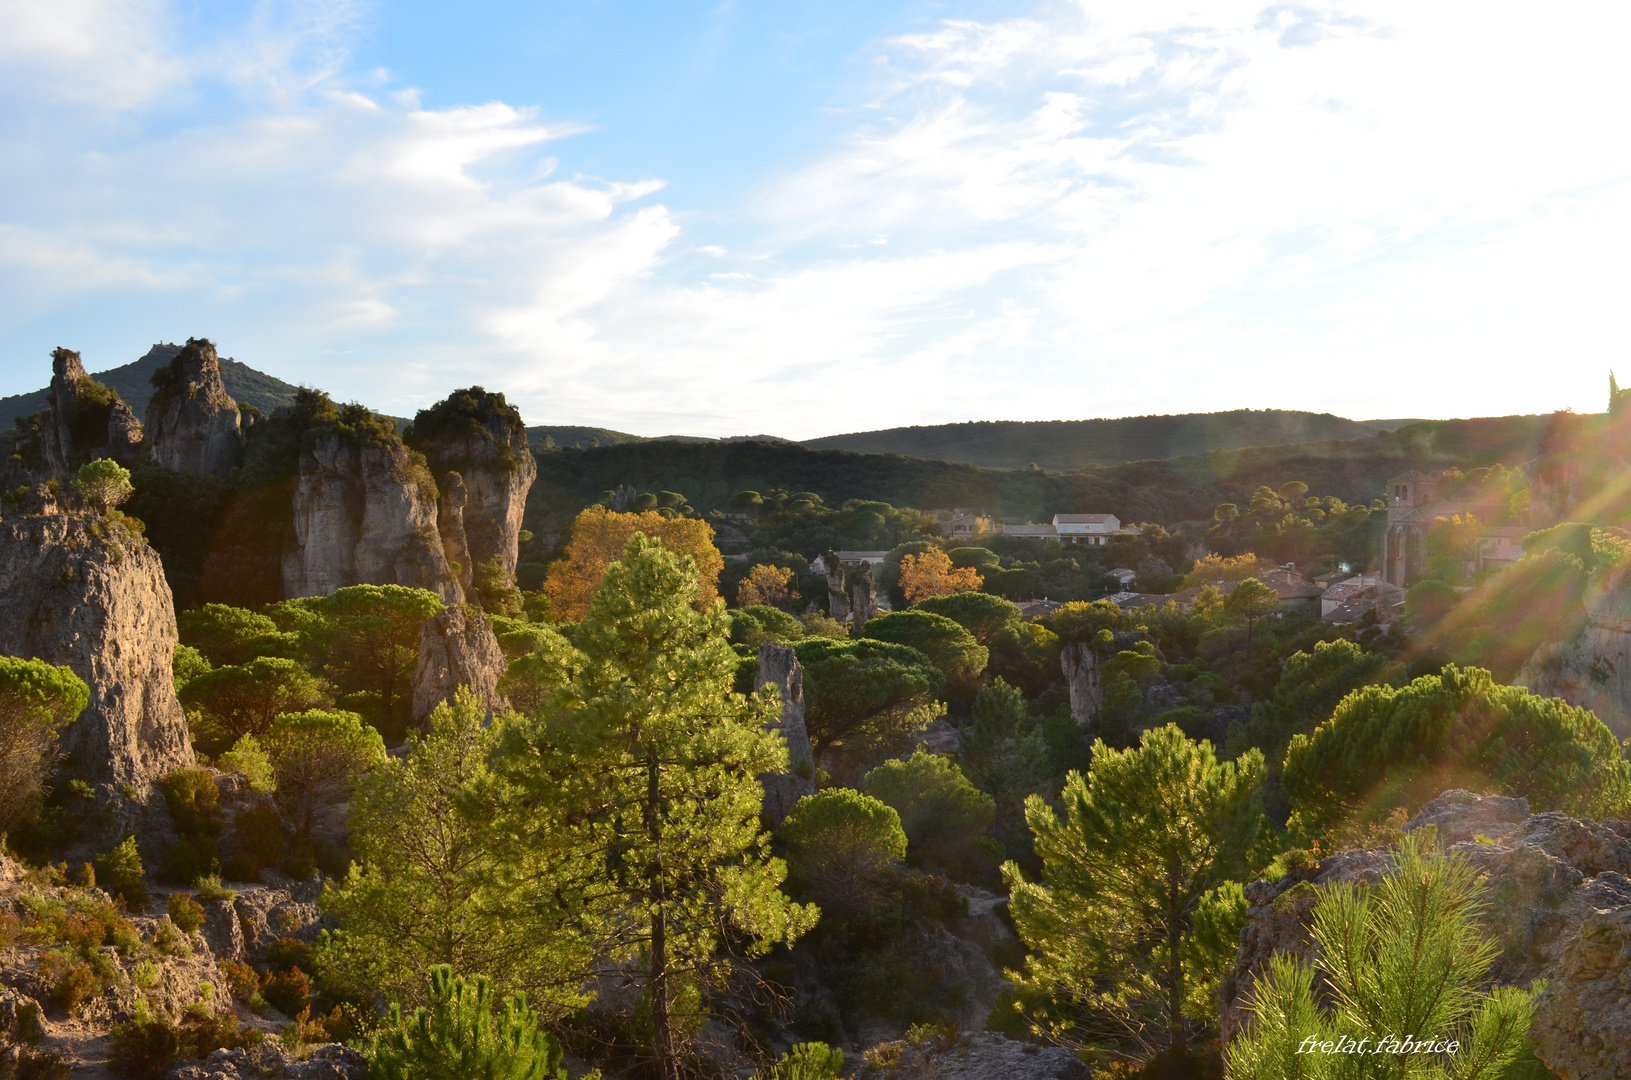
column 1592, row 671
column 457, row 648
column 1562, row 913
column 99, row 604
column 192, row 422
column 365, row 514
column 476, row 446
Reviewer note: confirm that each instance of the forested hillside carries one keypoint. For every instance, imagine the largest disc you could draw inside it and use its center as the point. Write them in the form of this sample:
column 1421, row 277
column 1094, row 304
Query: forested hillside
column 1166, row 491
column 1072, row 444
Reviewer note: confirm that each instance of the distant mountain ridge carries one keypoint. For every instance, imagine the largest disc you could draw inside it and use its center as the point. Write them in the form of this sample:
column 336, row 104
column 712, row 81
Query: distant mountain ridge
column 133, row 381
column 1062, row 445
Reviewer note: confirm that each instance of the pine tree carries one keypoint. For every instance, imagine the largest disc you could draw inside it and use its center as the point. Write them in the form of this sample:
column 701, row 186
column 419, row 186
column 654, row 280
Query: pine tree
column 465, row 1034
column 1405, row 959
column 644, row 758
column 1131, row 928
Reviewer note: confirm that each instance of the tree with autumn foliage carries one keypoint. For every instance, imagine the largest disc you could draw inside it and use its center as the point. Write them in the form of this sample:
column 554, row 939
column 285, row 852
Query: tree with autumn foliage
column 932, row 574
column 770, row 586
column 598, row 538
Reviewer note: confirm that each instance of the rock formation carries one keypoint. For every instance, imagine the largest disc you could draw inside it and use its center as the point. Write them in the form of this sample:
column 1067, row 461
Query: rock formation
column 192, row 422
column 85, row 420
column 477, row 442
column 1564, row 915
column 779, row 666
column 979, row 1055
column 1593, row 670
column 863, row 599
column 1081, row 666
column 82, row 592
column 365, row 514
column 837, row 588
column 457, row 648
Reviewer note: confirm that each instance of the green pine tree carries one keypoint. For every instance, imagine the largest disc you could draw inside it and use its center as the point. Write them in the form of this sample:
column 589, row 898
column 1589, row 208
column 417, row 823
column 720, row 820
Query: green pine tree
column 1139, row 909
column 466, row 1033
column 1406, row 959
column 639, row 772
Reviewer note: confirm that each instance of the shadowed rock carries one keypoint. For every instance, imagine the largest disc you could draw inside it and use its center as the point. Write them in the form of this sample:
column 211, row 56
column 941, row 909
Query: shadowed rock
column 193, row 425
column 457, row 648
column 779, row 667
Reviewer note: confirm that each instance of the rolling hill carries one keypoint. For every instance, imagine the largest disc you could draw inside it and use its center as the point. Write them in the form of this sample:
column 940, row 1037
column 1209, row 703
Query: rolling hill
column 1072, row 444
column 133, row 382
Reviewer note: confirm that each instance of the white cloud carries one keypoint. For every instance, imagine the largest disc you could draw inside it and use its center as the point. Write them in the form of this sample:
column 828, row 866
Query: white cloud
column 1089, row 210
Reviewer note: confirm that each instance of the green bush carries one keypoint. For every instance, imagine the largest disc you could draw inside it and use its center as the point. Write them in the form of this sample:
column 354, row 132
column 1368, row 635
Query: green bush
column 840, row 847
column 261, row 840
column 942, row 814
column 289, row 992
column 121, row 874
column 808, row 1061
column 169, row 940
column 948, row 646
column 185, row 912
column 145, row 1049
column 465, row 1034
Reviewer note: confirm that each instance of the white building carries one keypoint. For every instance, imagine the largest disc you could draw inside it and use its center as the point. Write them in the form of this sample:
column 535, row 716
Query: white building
column 1093, row 529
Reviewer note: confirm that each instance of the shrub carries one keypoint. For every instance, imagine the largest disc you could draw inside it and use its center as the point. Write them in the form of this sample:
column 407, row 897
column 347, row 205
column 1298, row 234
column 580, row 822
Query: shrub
column 241, row 978
column 210, row 888
column 121, row 874
column 72, row 981
column 168, row 939
column 260, row 839
column 36, row 699
column 840, row 846
column 941, row 812
column 145, row 1049
column 289, row 954
column 808, row 1061
column 247, row 757
column 185, row 912
column 287, row 991
column 39, row 1065
column 465, row 1034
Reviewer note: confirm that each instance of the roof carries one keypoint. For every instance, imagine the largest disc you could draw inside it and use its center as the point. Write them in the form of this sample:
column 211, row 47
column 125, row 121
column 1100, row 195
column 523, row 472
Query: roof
column 1409, row 476
column 1029, row 530
column 1032, row 609
column 1081, row 519
column 1129, row 600
column 862, row 556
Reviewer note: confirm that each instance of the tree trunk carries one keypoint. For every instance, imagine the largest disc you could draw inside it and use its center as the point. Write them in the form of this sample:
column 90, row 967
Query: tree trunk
column 1175, row 970
column 661, row 1029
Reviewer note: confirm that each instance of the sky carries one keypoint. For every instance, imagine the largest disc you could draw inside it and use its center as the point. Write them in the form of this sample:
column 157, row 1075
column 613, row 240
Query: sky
column 750, row 217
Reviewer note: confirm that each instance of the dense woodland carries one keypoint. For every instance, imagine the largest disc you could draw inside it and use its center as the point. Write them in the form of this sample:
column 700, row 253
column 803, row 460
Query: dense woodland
column 601, row 848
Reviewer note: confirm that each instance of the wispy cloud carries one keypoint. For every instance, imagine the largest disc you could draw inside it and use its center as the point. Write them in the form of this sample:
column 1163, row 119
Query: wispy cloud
column 1087, row 210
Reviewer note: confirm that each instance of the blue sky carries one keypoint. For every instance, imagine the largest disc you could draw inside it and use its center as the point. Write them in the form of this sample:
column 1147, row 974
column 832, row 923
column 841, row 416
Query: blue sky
column 831, row 216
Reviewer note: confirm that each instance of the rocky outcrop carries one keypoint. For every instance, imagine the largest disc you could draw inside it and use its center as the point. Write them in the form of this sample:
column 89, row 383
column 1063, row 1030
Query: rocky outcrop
column 193, row 424
column 450, row 524
column 85, row 420
column 365, row 514
column 863, row 591
column 80, row 591
column 1593, row 670
column 271, row 1061
column 837, row 587
column 1560, row 893
column 779, row 667
column 1081, row 666
column 457, row 648
column 477, row 442
column 979, row 1055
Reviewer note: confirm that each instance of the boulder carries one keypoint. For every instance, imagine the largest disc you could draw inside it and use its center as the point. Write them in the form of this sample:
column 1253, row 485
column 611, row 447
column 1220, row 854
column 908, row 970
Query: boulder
column 1081, row 665
column 837, row 587
column 365, row 514
column 266, row 913
column 81, row 591
column 1559, row 893
column 193, row 424
column 779, row 666
column 457, row 648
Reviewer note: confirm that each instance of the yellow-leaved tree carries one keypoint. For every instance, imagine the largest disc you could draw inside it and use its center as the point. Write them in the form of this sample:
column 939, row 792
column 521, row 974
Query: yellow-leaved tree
column 598, row 538
column 932, row 574
column 764, row 584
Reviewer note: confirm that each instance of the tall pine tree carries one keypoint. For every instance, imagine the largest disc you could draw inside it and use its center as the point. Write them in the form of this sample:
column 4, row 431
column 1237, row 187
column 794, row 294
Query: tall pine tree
column 641, row 753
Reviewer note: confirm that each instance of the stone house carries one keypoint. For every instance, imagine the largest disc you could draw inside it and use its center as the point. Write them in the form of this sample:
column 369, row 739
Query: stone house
column 1094, row 529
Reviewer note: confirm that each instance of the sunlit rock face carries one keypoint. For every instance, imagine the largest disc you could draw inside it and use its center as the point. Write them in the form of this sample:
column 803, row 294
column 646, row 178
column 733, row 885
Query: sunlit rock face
column 1593, row 670
column 779, row 667
column 457, row 648
column 193, row 425
column 365, row 514
column 82, row 592
column 476, row 447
